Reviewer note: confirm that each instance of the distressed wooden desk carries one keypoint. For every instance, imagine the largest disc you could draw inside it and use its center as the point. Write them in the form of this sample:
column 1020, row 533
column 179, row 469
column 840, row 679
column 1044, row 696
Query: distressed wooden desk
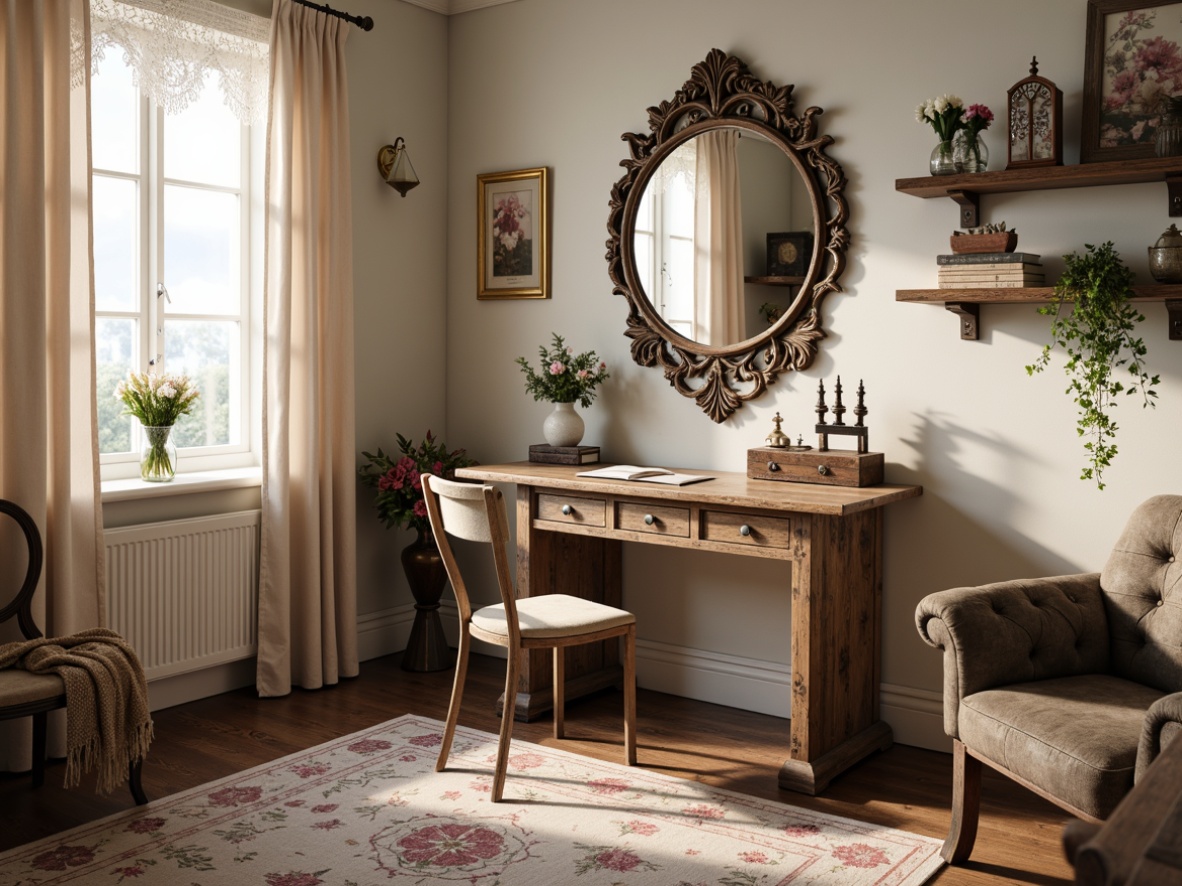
column 569, row 533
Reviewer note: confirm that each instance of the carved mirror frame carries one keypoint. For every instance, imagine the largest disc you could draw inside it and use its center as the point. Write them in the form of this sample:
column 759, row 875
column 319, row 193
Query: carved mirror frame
column 722, row 94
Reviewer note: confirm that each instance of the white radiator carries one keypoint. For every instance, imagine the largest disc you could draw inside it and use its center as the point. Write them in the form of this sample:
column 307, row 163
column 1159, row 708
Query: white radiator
column 184, row 593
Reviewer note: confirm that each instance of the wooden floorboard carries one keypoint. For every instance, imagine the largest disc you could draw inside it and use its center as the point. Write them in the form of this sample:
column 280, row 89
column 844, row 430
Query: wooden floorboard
column 904, row 787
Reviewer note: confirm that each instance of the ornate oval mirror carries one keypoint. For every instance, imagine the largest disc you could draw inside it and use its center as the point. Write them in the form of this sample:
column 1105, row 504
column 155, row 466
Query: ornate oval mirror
column 726, row 232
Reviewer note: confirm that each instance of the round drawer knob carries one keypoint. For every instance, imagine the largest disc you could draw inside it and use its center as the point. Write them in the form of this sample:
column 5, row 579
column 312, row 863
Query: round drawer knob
column 649, row 519
column 772, row 467
column 744, row 530
column 823, row 470
column 567, row 510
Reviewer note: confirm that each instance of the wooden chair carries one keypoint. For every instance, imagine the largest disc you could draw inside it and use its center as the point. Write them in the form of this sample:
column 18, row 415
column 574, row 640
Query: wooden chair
column 553, row 621
column 34, row 695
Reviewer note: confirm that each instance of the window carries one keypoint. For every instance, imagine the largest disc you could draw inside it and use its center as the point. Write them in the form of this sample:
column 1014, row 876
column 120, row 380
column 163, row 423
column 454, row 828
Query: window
column 664, row 241
column 177, row 251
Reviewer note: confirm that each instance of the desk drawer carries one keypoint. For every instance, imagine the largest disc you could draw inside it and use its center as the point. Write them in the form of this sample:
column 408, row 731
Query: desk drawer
column 571, row 509
column 756, row 530
column 653, row 519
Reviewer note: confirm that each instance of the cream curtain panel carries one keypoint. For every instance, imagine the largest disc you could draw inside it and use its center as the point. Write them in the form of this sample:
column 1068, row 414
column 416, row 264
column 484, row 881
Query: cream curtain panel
column 48, row 422
column 308, row 581
column 718, row 240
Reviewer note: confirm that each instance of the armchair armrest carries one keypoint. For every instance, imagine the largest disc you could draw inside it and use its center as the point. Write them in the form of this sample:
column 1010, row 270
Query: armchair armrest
column 1014, row 632
column 1163, row 724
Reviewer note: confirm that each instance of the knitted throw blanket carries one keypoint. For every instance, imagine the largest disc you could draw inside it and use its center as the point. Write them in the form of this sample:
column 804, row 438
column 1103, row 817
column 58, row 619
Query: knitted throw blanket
column 107, row 720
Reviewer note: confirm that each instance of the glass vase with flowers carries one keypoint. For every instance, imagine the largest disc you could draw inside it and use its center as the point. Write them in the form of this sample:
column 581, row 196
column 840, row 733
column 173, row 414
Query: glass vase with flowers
column 969, row 151
column 158, row 401
column 945, row 115
column 564, row 378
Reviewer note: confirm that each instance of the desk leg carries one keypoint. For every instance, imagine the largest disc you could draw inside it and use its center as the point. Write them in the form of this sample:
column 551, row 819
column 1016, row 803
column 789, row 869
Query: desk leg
column 836, row 648
column 557, row 563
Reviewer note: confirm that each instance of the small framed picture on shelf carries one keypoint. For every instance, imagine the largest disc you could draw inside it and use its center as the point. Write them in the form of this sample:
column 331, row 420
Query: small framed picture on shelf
column 1130, row 43
column 513, row 235
column 789, row 253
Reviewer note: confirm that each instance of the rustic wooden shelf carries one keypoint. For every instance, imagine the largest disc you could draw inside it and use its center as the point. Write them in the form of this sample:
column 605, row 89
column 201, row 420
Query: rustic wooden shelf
column 966, row 302
column 775, row 281
column 966, row 188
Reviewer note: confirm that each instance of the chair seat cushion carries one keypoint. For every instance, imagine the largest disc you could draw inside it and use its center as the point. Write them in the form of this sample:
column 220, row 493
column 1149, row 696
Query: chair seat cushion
column 553, row 615
column 1074, row 737
column 19, row 687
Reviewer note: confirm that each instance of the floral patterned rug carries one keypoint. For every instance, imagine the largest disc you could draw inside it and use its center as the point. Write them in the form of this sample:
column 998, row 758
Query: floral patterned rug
column 370, row 809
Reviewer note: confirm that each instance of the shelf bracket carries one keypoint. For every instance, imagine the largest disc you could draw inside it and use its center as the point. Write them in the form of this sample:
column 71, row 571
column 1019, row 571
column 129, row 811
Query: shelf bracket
column 1174, row 309
column 968, row 312
column 970, row 206
column 1174, row 186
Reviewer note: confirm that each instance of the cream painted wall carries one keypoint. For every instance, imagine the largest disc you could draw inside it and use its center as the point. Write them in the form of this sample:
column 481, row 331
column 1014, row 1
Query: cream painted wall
column 397, row 87
column 555, row 83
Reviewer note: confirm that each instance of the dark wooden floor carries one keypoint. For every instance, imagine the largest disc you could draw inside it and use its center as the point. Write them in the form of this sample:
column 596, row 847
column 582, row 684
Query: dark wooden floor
column 903, row 787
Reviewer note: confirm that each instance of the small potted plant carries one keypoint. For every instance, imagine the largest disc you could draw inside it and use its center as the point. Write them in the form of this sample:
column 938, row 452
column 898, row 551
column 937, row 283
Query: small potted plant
column 564, row 379
column 1097, row 335
column 158, row 401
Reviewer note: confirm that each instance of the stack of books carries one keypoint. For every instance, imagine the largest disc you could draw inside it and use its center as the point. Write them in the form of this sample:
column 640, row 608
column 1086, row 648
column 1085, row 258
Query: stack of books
column 989, row 270
column 542, row 453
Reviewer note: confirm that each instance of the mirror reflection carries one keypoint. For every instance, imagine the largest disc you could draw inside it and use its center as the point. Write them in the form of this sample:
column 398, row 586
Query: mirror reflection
column 701, row 240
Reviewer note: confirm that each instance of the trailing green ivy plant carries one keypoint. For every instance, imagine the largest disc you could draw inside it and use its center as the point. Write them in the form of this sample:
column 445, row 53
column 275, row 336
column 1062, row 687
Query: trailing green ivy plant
column 1097, row 335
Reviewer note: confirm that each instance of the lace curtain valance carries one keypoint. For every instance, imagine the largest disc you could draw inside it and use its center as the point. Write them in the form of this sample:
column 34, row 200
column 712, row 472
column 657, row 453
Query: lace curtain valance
column 170, row 46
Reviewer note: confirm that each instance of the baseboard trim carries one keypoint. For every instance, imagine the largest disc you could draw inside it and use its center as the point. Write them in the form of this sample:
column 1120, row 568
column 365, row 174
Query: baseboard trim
column 916, row 716
column 167, row 692
column 747, row 683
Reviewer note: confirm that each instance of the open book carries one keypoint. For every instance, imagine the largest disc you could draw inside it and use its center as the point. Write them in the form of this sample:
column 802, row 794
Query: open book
column 648, row 475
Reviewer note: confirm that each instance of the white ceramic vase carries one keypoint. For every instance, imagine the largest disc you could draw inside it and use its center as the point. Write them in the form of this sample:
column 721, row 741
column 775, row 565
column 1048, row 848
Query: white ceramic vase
column 563, row 426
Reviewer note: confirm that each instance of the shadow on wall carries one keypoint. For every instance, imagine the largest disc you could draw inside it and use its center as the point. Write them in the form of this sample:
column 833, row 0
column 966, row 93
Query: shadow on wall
column 957, row 548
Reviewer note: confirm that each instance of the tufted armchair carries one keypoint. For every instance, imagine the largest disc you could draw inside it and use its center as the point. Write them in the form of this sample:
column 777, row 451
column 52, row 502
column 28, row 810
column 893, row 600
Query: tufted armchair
column 1071, row 685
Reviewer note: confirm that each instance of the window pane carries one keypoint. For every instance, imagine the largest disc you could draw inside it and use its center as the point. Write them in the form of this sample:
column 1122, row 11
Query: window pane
column 115, row 237
column 115, row 354
column 207, row 352
column 202, row 250
column 190, row 136
column 114, row 116
column 679, row 280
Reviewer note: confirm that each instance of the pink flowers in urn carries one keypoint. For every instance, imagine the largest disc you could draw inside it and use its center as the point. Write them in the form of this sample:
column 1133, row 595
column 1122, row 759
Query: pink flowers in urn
column 399, row 481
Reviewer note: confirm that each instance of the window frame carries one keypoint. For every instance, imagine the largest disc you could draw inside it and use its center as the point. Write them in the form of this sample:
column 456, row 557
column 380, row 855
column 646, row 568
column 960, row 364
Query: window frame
column 152, row 309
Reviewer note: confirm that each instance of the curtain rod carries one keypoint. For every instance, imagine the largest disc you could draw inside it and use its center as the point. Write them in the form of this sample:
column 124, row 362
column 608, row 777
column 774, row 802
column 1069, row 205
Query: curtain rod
column 363, row 22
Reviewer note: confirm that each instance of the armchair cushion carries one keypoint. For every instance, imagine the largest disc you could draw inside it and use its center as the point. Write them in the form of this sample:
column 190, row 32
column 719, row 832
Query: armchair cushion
column 1142, row 583
column 1014, row 632
column 1034, row 730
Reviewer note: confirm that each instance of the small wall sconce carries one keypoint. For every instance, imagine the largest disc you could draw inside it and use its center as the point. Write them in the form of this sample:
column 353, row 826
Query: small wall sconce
column 395, row 166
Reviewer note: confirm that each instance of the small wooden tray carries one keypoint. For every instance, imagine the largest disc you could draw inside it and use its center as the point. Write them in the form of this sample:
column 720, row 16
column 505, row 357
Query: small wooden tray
column 1002, row 241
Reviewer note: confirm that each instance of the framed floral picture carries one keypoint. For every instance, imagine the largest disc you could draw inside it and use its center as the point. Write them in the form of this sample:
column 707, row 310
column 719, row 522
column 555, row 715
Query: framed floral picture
column 1133, row 64
column 513, row 247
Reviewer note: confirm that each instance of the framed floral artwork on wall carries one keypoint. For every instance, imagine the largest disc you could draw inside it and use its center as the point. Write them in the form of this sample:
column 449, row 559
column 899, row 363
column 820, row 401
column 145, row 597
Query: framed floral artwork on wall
column 1133, row 64
column 513, row 234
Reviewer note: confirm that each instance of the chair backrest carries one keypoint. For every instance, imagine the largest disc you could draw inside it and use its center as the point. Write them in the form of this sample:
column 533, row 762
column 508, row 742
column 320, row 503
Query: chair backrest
column 1142, row 586
column 22, row 604
column 472, row 512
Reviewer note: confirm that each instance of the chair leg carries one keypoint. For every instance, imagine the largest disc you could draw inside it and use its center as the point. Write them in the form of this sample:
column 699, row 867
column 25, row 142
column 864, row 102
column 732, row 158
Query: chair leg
column 134, row 771
column 457, row 694
column 630, row 696
column 507, row 714
column 559, row 691
column 966, row 805
column 40, row 731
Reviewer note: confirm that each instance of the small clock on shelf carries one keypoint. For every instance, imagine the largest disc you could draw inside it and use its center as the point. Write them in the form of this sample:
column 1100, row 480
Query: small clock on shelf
column 1035, row 124
column 789, row 253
